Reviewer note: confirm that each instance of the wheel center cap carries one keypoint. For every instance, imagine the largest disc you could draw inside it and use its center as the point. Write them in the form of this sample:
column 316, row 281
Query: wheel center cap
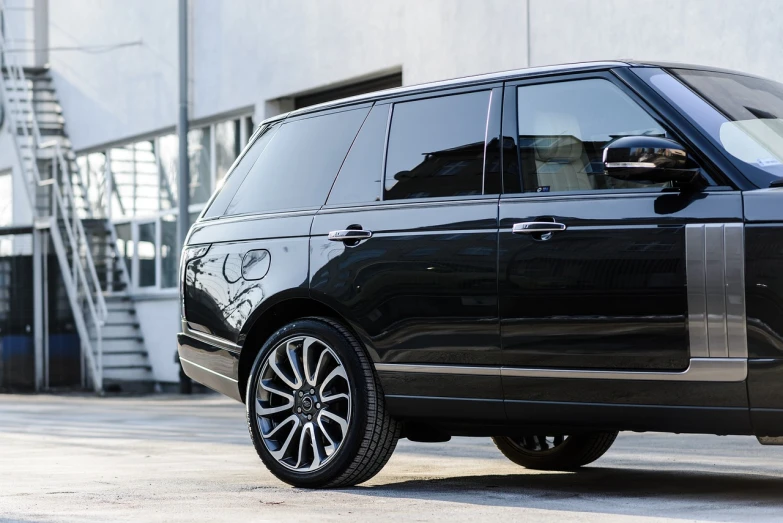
column 307, row 404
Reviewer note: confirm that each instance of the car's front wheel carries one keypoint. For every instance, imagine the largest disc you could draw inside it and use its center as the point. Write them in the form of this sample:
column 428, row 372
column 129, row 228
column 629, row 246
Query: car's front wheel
column 558, row 452
column 315, row 407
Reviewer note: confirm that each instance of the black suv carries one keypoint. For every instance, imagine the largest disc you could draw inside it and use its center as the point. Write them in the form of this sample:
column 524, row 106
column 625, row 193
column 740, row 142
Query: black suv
column 545, row 256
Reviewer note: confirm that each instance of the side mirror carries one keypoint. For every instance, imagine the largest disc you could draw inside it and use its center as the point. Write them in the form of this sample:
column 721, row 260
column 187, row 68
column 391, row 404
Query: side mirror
column 649, row 159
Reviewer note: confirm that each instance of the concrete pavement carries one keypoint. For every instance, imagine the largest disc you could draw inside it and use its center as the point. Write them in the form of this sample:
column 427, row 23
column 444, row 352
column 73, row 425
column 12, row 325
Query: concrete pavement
column 165, row 458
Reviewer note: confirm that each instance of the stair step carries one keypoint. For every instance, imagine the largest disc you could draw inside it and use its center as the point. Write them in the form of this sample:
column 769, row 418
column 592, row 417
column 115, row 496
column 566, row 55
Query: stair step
column 125, row 360
column 132, row 374
column 123, row 345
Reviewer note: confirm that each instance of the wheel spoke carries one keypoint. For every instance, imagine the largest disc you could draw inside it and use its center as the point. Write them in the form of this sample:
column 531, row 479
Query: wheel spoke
column 310, row 377
column 314, row 381
column 279, row 454
column 263, row 411
column 338, row 371
column 333, row 397
column 319, row 455
column 542, row 443
column 268, row 386
column 292, row 418
column 332, row 445
column 290, row 350
column 280, row 374
column 337, row 419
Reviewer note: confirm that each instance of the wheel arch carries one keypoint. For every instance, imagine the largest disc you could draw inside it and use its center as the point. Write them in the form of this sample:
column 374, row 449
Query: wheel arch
column 284, row 310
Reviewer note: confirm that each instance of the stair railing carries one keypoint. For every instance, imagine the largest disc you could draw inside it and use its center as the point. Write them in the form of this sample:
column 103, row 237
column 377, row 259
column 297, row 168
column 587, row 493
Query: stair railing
column 84, row 292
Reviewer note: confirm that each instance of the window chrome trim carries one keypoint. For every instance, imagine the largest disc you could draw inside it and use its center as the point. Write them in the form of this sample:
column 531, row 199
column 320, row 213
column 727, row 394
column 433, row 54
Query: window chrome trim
column 699, row 369
column 217, row 341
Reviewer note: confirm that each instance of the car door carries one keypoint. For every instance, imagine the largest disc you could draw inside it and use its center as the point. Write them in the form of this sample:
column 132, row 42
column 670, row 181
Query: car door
column 406, row 249
column 611, row 292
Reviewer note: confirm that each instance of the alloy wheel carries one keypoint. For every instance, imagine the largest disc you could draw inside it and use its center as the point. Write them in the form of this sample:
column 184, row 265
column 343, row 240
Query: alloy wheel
column 303, row 403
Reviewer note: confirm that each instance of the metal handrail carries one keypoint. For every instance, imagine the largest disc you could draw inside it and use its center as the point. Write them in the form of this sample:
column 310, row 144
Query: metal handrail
column 74, row 276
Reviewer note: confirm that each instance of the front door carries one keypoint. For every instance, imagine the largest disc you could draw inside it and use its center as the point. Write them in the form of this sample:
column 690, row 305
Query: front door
column 608, row 288
column 412, row 264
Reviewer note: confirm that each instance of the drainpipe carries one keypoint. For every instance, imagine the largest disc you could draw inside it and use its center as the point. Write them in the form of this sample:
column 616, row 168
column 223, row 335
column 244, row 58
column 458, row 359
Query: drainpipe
column 182, row 127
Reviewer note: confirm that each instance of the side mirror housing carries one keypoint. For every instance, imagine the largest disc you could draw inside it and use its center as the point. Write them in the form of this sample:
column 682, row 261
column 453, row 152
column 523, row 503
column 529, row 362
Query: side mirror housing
column 649, row 159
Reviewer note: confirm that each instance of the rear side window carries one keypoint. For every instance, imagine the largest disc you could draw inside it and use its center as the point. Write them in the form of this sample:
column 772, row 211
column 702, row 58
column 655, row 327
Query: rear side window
column 237, row 173
column 298, row 166
column 359, row 180
column 436, row 147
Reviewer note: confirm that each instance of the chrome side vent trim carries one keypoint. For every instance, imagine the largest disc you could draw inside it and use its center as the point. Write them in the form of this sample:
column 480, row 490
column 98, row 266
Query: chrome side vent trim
column 715, row 268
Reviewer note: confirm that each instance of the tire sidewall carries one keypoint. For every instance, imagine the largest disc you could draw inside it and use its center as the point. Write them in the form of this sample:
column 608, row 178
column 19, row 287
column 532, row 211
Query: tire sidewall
column 357, row 384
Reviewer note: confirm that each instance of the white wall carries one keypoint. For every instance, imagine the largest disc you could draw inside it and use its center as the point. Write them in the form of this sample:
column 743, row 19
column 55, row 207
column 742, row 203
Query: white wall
column 21, row 209
column 735, row 34
column 159, row 320
column 245, row 52
column 111, row 94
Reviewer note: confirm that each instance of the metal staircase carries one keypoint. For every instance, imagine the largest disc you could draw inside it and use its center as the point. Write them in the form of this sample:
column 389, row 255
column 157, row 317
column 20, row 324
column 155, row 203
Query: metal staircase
column 83, row 238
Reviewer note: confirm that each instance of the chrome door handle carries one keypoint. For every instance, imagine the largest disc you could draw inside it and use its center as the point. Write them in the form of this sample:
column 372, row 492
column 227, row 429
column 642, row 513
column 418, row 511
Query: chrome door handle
column 348, row 235
column 537, row 227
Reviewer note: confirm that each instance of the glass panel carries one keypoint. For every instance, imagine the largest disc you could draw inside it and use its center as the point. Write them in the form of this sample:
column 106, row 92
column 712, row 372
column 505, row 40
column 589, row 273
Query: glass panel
column 6, row 198
column 250, row 126
column 168, row 156
column 235, row 178
column 135, row 171
column 200, row 165
column 359, row 180
column 564, row 127
column 168, row 251
column 436, row 147
column 749, row 126
column 226, row 147
column 298, row 167
column 147, row 254
column 125, row 244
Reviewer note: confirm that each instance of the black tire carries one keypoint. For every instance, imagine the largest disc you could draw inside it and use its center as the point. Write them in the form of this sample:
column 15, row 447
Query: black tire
column 372, row 434
column 576, row 451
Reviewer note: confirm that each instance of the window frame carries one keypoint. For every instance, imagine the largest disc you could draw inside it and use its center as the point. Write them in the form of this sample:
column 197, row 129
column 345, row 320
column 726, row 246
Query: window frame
column 491, row 132
column 510, row 111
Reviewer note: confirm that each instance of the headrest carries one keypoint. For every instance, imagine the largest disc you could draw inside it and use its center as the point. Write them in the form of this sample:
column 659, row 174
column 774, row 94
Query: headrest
column 558, row 137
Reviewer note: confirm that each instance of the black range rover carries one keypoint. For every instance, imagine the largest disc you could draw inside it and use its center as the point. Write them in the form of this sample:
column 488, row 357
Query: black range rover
column 545, row 256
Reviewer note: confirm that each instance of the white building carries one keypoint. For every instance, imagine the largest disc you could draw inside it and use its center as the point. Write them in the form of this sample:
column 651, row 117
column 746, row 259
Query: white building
column 113, row 66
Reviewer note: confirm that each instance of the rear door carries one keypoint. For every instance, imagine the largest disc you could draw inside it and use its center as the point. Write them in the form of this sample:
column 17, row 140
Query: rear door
column 623, row 287
column 406, row 248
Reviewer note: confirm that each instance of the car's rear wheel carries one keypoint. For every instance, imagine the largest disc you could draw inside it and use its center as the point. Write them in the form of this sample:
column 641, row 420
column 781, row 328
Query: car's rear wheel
column 555, row 452
column 315, row 407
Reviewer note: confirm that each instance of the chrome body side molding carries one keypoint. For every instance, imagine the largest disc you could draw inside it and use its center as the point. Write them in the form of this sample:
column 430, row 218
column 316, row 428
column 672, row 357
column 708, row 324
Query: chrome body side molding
column 700, row 369
column 216, row 341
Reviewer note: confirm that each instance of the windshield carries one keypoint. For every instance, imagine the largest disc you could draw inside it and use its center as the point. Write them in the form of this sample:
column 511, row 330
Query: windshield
column 742, row 114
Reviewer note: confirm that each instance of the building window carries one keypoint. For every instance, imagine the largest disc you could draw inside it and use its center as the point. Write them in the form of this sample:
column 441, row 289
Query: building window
column 227, row 147
column 168, row 251
column 200, row 161
column 135, row 184
column 146, row 255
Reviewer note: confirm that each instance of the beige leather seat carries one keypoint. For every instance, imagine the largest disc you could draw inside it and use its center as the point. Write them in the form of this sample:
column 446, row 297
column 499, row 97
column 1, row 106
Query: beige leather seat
column 560, row 156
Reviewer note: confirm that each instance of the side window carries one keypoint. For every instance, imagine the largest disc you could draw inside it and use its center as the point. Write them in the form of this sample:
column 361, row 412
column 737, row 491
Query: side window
column 564, row 127
column 298, row 166
column 436, row 147
column 359, row 179
column 227, row 188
